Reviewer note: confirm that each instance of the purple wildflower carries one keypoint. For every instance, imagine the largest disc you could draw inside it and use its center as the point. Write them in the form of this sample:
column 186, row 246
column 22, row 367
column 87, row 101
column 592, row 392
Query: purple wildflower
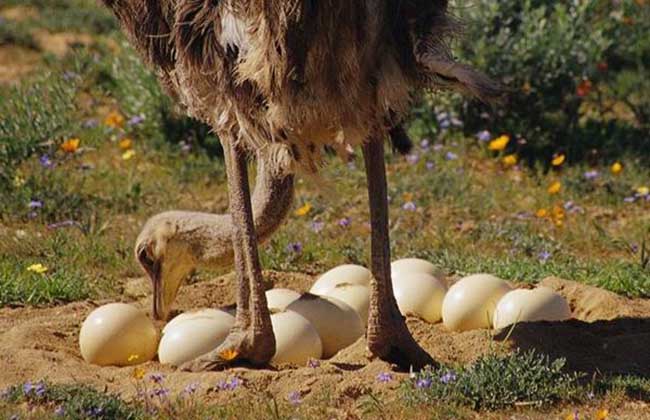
column 69, row 75
column 157, row 377
column 313, row 363
column 409, row 206
column 160, row 393
column 317, row 226
column 95, row 412
column 294, row 247
column 345, row 222
column 384, row 377
column 425, row 143
column 413, row 158
column 35, row 204
column 191, row 388
column 32, row 215
column 46, row 162
column 39, row 389
column 423, row 383
column 59, row 411
column 483, row 136
column 456, row 122
column 135, row 120
column 445, row 124
column 451, row 156
column 591, row 175
column 544, row 256
column 442, row 116
column 430, row 165
column 448, row 378
column 437, row 147
column 90, row 123
column 27, row 388
column 230, row 385
column 523, row 215
column 629, row 199
column 634, row 248
column 294, row 397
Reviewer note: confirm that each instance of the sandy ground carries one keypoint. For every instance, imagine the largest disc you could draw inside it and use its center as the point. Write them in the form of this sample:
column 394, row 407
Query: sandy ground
column 610, row 334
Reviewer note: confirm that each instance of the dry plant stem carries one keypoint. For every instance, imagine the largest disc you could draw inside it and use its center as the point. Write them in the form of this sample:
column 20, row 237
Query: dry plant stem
column 388, row 336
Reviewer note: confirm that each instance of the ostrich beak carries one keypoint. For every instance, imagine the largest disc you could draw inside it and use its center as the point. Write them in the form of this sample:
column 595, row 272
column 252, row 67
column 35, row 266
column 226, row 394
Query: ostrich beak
column 154, row 270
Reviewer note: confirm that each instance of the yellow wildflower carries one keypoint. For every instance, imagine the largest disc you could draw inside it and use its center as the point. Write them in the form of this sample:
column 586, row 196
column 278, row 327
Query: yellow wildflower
column 138, row 373
column 558, row 212
column 558, row 159
column 37, row 268
column 229, row 354
column 643, row 191
column 499, row 143
column 602, row 414
column 126, row 143
column 114, row 119
column 19, row 181
column 616, row 168
column 70, row 145
column 133, row 358
column 541, row 213
column 304, row 210
column 509, row 160
column 128, row 154
column 407, row 196
column 555, row 187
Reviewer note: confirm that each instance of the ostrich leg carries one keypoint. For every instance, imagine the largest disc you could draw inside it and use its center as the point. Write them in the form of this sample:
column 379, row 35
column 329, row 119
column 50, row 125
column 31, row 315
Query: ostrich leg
column 252, row 338
column 388, row 336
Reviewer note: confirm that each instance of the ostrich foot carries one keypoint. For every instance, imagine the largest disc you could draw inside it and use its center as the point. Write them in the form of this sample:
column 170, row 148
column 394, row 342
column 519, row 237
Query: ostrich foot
column 240, row 347
column 392, row 342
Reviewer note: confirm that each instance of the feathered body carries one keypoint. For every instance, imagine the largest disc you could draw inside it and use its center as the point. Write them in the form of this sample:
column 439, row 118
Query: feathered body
column 298, row 73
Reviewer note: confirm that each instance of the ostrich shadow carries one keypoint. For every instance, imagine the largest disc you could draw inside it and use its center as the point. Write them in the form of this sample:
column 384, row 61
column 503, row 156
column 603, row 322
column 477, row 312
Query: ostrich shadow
column 619, row 346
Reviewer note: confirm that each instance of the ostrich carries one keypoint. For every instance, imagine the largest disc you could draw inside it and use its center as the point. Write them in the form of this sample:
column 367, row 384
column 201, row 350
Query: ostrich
column 285, row 79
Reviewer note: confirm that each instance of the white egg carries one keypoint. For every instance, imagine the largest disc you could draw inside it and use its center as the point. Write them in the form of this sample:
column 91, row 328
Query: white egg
column 117, row 334
column 296, row 339
column 278, row 299
column 470, row 303
column 356, row 296
column 419, row 294
column 343, row 274
column 414, row 265
column 541, row 304
column 338, row 325
column 193, row 334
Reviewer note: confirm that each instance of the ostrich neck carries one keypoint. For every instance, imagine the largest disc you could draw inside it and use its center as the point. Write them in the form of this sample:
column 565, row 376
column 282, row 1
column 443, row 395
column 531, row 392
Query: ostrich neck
column 209, row 236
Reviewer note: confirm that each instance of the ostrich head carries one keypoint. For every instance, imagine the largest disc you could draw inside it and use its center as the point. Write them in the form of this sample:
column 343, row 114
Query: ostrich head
column 167, row 257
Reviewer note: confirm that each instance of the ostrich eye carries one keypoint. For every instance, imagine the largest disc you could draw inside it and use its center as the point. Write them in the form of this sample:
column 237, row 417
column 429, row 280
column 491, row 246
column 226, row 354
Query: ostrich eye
column 145, row 259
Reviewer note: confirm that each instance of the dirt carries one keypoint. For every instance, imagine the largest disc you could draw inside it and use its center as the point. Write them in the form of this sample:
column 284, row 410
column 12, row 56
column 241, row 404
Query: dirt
column 610, row 334
column 16, row 62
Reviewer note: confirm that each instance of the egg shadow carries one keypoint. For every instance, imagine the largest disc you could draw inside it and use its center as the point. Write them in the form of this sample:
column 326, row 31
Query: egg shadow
column 616, row 347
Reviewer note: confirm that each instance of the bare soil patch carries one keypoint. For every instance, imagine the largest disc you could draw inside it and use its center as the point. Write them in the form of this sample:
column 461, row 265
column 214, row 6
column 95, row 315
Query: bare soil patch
column 610, row 334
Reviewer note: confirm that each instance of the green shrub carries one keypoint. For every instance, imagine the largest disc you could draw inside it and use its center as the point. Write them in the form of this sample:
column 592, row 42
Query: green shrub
column 495, row 382
column 562, row 64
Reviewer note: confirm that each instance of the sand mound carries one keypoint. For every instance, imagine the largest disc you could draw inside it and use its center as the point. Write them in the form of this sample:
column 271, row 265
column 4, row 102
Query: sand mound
column 610, row 334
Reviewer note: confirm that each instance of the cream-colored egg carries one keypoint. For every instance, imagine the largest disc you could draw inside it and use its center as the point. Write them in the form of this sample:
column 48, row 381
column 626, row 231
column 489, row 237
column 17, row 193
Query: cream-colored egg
column 419, row 294
column 541, row 304
column 193, row 334
column 278, row 299
column 414, row 265
column 117, row 334
column 296, row 339
column 338, row 325
column 469, row 304
column 343, row 274
column 356, row 296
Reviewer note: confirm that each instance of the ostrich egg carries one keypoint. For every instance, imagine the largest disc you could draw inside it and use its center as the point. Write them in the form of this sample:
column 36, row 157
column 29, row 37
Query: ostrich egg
column 541, row 304
column 419, row 294
column 278, row 299
column 338, row 325
column 193, row 334
column 413, row 265
column 296, row 339
column 356, row 296
column 469, row 304
column 343, row 274
column 117, row 334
